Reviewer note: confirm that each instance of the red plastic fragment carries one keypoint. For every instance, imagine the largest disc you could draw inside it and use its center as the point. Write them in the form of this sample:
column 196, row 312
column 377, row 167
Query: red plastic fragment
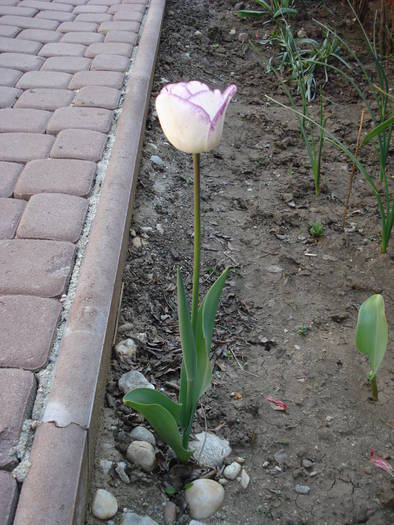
column 279, row 405
column 380, row 462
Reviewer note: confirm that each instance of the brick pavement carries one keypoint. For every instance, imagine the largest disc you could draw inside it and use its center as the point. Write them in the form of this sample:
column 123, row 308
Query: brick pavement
column 62, row 66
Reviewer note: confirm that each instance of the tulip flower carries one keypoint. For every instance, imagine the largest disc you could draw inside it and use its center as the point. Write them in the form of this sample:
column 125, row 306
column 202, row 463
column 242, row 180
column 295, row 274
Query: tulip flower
column 192, row 117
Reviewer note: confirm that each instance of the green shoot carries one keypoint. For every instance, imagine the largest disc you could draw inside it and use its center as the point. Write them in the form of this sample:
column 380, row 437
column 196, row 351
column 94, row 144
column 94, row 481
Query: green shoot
column 372, row 336
column 316, row 228
column 273, row 9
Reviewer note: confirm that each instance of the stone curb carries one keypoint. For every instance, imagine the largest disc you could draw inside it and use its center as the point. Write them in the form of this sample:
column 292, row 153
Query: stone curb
column 56, row 487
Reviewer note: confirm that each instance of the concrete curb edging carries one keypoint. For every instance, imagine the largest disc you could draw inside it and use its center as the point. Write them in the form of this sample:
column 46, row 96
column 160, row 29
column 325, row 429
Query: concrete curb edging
column 55, row 489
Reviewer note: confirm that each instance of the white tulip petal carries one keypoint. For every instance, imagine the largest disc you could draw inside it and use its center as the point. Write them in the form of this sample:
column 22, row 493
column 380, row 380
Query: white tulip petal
column 195, row 87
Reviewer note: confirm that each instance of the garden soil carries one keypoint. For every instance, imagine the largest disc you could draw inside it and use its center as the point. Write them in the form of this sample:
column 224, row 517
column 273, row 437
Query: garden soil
column 287, row 318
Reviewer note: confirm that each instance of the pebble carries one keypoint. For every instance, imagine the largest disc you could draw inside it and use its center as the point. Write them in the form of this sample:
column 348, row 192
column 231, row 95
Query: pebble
column 274, row 268
column 209, row 449
column 195, row 522
column 307, row 463
column 223, row 481
column 126, row 348
column 204, row 498
column 105, row 465
column 170, row 513
column 141, row 433
column 302, row 489
column 132, row 380
column 142, row 454
column 232, row 470
column 198, row 34
column 280, row 457
column 131, row 518
column 243, row 37
column 245, row 479
column 104, row 505
column 120, row 470
column 155, row 159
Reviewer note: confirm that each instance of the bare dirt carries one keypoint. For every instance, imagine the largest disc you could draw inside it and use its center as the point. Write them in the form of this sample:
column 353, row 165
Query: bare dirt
column 287, row 318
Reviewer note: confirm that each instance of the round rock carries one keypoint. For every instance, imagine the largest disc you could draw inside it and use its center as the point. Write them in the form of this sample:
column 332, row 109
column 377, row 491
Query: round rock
column 210, row 450
column 232, row 470
column 126, row 349
column 141, row 433
column 142, row 454
column 204, row 498
column 104, row 505
column 132, row 380
column 131, row 518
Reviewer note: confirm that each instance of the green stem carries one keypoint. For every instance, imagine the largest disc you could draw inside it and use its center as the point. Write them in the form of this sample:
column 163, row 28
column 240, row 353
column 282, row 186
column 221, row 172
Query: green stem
column 374, row 388
column 197, row 234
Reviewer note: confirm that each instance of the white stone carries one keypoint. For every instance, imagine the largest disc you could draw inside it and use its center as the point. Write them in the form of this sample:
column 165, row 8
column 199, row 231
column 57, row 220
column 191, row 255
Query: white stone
column 141, row 433
column 104, row 505
column 232, row 470
column 126, row 348
column 210, row 450
column 204, row 498
column 132, row 380
column 195, row 522
column 245, row 479
column 105, row 465
column 142, row 454
column 131, row 518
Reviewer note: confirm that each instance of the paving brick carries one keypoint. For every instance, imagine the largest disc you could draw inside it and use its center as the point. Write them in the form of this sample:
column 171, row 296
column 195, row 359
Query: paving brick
column 40, row 35
column 82, row 38
column 98, row 97
column 44, row 79
column 20, row 61
column 119, row 26
column 25, row 22
column 66, row 64
column 109, row 48
column 135, row 2
column 53, row 6
column 23, row 120
column 27, row 328
column 18, row 388
column 90, row 9
column 96, row 119
column 104, row 2
column 93, row 17
column 16, row 10
column 33, row 267
column 110, row 63
column 97, row 78
column 9, row 172
column 79, row 144
column 8, row 497
column 35, row 146
column 130, row 8
column 53, row 216
column 10, row 213
column 67, row 27
column 74, row 177
column 9, row 77
column 15, row 45
column 128, row 16
column 60, row 49
column 42, row 98
column 59, row 16
column 10, row 31
column 8, row 96
column 121, row 36
column 74, row 2
column 9, row 2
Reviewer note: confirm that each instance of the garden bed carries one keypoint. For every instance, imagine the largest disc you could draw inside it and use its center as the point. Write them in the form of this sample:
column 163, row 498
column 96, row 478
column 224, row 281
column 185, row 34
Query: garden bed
column 287, row 318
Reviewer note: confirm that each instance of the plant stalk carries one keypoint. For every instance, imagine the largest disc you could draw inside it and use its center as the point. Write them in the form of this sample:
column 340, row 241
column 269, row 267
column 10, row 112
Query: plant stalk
column 374, row 388
column 349, row 189
column 197, row 240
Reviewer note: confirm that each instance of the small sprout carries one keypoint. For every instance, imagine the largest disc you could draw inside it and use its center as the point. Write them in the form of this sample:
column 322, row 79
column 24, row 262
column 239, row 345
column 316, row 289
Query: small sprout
column 303, row 330
column 170, row 490
column 315, row 228
column 372, row 336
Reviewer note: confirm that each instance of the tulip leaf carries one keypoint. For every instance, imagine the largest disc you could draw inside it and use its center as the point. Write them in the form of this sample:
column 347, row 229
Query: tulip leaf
column 372, row 332
column 159, row 410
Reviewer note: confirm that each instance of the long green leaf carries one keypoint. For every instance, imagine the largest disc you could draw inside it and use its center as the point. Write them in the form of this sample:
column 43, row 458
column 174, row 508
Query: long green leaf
column 210, row 305
column 186, row 331
column 372, row 332
column 156, row 412
column 378, row 129
column 250, row 14
column 154, row 397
